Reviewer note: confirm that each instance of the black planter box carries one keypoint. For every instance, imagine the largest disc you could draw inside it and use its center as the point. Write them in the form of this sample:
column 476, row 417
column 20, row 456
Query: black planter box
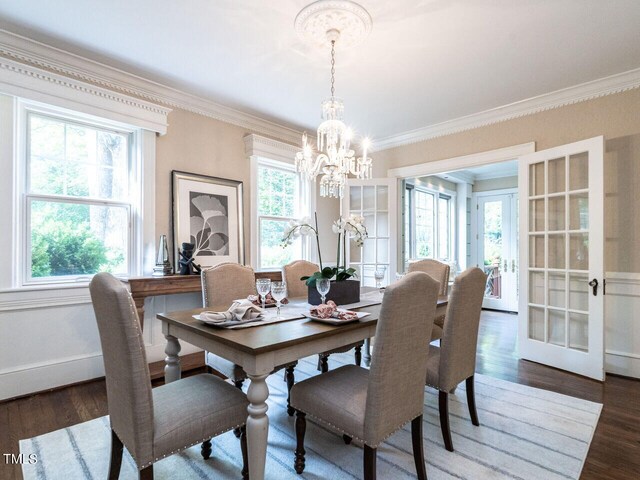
column 343, row 293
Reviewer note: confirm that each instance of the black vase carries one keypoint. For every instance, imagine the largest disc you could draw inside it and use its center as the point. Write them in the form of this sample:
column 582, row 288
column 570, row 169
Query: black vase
column 343, row 293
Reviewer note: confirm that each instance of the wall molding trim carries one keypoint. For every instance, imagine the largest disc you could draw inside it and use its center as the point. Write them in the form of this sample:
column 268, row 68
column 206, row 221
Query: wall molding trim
column 35, row 54
column 259, row 146
column 579, row 93
column 463, row 162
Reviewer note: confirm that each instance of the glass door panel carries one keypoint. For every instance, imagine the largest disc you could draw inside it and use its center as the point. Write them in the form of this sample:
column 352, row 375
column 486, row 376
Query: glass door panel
column 561, row 314
column 375, row 201
column 497, row 249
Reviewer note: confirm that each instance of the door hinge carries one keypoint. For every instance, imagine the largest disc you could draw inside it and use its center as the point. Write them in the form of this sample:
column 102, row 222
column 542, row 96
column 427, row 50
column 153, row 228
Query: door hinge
column 604, row 286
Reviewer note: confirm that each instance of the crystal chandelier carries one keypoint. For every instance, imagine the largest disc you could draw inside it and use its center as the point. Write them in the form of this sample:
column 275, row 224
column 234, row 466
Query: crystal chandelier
column 334, row 160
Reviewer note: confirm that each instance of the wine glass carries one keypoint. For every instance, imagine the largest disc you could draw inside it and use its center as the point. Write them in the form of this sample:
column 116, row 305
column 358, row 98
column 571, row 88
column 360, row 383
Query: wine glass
column 379, row 276
column 263, row 286
column 278, row 292
column 323, row 285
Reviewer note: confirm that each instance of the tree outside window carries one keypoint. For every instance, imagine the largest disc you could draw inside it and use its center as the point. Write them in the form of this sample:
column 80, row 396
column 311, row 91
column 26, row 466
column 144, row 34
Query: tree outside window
column 77, row 200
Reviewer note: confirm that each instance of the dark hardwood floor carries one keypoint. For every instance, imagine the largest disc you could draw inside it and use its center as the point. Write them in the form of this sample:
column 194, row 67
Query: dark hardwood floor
column 614, row 453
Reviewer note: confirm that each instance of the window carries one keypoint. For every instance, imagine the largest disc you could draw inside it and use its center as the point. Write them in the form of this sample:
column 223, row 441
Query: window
column 281, row 197
column 429, row 224
column 78, row 210
column 424, row 216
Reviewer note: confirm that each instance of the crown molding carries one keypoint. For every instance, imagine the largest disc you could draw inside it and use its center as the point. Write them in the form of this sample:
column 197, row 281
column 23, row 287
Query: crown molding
column 30, row 52
column 567, row 96
column 37, row 84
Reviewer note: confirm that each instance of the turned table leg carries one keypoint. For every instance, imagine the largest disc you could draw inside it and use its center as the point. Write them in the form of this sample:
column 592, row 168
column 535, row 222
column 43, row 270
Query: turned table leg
column 172, row 370
column 367, row 352
column 257, row 425
column 139, row 303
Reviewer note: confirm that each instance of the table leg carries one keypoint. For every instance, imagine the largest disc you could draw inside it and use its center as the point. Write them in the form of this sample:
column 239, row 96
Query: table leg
column 257, row 425
column 367, row 352
column 172, row 370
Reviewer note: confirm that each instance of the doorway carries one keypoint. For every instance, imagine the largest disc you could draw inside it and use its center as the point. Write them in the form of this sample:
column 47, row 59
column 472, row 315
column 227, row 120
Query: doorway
column 496, row 246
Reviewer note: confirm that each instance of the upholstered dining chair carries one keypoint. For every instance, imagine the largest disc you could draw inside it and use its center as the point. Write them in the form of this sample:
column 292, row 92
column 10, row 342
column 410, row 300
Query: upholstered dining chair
column 291, row 274
column 155, row 423
column 455, row 360
column 439, row 271
column 221, row 285
column 370, row 405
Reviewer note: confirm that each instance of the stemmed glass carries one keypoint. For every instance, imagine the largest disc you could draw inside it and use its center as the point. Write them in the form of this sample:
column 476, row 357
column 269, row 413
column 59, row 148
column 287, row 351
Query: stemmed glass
column 263, row 286
column 278, row 292
column 323, row 285
column 379, row 276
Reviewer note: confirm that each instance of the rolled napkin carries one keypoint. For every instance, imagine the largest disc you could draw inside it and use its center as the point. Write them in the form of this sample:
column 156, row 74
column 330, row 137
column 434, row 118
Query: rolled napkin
column 330, row 309
column 239, row 311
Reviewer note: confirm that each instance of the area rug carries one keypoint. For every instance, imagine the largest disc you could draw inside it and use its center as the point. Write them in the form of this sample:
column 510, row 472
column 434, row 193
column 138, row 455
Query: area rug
column 525, row 433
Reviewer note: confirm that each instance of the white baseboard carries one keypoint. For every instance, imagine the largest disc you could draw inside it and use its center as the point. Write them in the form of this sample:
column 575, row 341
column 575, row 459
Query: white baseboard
column 43, row 376
column 621, row 363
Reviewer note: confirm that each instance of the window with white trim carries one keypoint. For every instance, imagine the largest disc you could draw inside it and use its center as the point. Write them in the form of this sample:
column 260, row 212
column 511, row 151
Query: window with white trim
column 77, row 202
column 429, row 224
column 282, row 196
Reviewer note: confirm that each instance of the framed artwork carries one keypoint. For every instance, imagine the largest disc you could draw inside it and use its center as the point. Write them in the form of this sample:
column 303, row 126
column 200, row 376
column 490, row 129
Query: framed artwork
column 207, row 212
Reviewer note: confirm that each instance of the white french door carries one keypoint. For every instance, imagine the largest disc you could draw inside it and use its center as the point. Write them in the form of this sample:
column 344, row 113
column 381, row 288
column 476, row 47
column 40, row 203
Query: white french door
column 497, row 248
column 374, row 199
column 561, row 314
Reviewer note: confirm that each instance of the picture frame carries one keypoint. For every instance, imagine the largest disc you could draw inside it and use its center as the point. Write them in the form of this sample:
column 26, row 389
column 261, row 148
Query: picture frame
column 208, row 212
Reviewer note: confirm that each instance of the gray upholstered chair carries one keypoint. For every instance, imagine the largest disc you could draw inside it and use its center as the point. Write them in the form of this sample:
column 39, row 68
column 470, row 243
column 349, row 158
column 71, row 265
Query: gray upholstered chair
column 438, row 271
column 370, row 405
column 291, row 274
column 455, row 360
column 221, row 285
column 155, row 423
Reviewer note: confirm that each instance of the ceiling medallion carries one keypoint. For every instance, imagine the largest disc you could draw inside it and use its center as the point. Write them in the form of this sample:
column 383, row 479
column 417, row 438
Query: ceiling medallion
column 326, row 22
column 350, row 19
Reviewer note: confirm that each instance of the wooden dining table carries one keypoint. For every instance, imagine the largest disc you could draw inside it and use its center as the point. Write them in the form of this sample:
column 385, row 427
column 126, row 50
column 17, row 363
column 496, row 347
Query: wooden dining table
column 261, row 348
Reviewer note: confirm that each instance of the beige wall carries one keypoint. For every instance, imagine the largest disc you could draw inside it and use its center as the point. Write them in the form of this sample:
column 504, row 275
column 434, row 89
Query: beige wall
column 199, row 144
column 436, row 183
column 617, row 117
column 495, row 184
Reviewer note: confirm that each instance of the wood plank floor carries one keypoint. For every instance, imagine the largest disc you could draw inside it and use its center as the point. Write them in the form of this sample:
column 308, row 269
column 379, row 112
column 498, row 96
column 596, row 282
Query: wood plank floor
column 614, row 453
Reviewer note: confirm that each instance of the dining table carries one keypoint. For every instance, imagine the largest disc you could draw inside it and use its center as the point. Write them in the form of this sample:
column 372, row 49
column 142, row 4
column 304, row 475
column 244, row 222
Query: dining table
column 259, row 349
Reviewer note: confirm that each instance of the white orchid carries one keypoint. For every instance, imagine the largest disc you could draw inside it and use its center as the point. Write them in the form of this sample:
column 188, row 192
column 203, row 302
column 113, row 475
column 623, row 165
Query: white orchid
column 354, row 225
column 297, row 228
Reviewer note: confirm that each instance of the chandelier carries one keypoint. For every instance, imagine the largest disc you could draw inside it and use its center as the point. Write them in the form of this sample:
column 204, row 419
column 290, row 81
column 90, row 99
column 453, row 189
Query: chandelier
column 334, row 159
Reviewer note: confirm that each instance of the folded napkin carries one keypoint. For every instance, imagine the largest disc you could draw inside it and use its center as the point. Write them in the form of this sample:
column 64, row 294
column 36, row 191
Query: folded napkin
column 239, row 311
column 330, row 310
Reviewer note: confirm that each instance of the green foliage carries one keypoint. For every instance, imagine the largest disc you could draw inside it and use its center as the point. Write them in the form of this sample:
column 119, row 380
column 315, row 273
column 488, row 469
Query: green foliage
column 330, row 272
column 64, row 248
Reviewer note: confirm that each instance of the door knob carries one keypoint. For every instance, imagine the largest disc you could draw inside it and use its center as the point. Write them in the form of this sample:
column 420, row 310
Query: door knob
column 506, row 267
column 594, row 284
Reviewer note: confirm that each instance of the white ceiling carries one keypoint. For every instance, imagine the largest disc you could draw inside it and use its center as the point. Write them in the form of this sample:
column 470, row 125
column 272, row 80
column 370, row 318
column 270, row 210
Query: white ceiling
column 425, row 62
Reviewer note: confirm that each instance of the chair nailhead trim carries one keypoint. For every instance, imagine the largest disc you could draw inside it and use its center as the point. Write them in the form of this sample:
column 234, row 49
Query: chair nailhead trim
column 208, row 437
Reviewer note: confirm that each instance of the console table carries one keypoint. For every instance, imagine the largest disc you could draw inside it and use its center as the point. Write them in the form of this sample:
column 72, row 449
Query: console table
column 143, row 287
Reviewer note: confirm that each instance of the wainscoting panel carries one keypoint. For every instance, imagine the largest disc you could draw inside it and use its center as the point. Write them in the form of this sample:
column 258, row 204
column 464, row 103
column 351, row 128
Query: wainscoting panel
column 53, row 342
column 622, row 324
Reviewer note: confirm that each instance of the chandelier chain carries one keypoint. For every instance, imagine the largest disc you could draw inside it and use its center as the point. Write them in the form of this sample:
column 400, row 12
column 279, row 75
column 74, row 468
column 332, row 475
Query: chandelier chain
column 333, row 67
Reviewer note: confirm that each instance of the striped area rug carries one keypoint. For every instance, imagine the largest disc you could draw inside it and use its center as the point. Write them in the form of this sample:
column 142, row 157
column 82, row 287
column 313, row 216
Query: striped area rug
column 525, row 433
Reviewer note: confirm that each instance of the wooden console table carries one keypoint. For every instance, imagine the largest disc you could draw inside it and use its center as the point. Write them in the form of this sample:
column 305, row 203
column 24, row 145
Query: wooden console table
column 143, row 287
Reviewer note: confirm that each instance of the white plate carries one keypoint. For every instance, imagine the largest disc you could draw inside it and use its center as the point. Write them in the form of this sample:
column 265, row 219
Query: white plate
column 335, row 321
